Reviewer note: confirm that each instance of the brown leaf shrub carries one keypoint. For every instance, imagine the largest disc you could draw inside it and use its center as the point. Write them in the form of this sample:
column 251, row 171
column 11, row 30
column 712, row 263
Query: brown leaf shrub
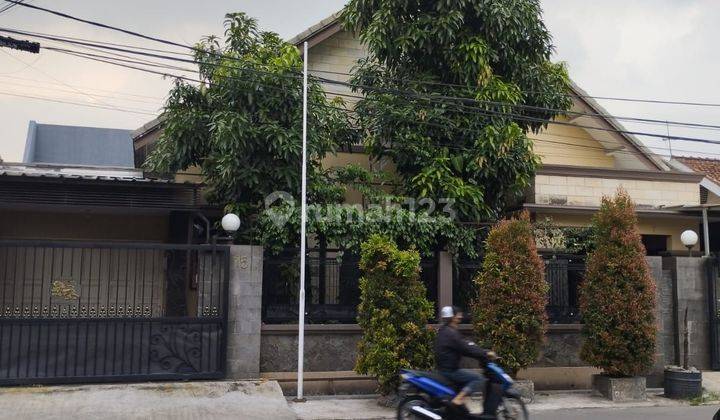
column 617, row 298
column 509, row 311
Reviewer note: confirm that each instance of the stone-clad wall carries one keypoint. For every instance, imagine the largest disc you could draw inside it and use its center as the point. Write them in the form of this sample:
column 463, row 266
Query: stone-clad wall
column 588, row 191
column 334, row 348
column 253, row 350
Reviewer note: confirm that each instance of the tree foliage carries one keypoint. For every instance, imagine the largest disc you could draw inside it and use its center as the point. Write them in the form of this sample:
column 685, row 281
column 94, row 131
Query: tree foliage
column 509, row 311
column 617, row 298
column 243, row 125
column 393, row 313
column 425, row 53
column 346, row 227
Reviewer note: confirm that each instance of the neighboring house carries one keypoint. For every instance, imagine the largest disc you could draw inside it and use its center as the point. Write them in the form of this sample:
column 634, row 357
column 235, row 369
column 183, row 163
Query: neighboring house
column 103, row 271
column 72, row 145
column 709, row 208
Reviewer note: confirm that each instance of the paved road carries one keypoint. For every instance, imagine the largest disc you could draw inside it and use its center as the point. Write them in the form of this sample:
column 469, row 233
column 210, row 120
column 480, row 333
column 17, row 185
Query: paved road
column 645, row 413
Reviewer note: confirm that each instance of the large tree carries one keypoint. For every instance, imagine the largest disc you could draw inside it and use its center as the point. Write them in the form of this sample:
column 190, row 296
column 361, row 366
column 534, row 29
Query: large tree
column 451, row 88
column 243, row 125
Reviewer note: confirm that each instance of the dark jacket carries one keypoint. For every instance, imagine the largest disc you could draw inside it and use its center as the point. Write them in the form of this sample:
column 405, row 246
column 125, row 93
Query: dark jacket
column 451, row 346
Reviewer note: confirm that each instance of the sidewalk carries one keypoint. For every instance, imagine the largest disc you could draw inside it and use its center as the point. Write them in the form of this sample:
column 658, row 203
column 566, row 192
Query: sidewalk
column 177, row 400
column 366, row 408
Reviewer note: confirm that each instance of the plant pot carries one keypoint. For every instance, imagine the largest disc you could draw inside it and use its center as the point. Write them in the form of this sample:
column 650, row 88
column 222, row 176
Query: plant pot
column 683, row 384
column 526, row 388
column 620, row 389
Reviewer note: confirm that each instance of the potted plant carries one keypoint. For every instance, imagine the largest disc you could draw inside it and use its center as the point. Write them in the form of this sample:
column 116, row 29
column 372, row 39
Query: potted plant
column 683, row 382
column 509, row 311
column 617, row 301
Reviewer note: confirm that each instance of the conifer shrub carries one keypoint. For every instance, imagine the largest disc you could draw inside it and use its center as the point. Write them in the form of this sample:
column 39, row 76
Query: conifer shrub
column 617, row 297
column 393, row 314
column 509, row 311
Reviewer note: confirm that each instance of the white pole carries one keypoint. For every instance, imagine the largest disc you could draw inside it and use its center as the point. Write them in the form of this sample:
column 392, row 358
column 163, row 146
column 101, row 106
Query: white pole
column 706, row 232
column 303, row 219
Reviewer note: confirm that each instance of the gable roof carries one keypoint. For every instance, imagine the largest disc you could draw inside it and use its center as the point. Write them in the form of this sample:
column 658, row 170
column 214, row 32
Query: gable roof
column 72, row 145
column 332, row 25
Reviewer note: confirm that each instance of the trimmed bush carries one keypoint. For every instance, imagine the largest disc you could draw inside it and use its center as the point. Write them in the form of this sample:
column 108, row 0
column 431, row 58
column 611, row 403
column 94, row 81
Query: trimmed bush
column 509, row 312
column 617, row 298
column 393, row 314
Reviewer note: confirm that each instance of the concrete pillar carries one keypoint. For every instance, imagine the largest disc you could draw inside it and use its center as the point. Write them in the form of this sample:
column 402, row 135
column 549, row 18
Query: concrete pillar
column 244, row 312
column 445, row 279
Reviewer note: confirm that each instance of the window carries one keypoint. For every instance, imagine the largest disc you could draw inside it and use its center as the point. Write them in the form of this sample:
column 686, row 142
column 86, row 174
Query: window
column 655, row 244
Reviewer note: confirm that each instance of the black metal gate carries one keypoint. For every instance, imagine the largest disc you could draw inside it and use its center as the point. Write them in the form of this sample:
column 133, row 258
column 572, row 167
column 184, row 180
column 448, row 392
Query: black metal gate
column 92, row 312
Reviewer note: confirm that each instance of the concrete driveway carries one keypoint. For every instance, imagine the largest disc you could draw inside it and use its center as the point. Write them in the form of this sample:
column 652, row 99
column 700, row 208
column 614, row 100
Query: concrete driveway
column 190, row 400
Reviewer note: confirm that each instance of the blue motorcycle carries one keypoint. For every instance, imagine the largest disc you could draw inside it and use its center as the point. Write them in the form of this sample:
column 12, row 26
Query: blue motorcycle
column 428, row 396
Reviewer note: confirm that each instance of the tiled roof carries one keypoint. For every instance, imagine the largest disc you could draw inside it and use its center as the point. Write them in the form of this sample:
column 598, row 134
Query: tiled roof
column 709, row 167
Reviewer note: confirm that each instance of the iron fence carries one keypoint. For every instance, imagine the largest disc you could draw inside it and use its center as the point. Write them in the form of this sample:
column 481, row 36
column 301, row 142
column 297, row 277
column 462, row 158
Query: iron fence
column 563, row 272
column 81, row 312
column 332, row 286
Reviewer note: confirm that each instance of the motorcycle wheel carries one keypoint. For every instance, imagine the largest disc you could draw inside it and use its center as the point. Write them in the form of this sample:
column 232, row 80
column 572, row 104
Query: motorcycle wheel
column 404, row 408
column 513, row 408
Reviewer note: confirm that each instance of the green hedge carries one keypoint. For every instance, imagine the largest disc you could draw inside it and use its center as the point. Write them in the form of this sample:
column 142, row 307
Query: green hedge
column 393, row 314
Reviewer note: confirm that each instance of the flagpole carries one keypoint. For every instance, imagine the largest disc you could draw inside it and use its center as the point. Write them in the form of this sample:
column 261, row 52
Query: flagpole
column 303, row 220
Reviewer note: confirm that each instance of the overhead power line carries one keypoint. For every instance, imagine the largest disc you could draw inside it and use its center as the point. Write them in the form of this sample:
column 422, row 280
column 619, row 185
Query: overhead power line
column 185, row 46
column 414, row 121
column 516, row 116
column 432, row 99
column 60, row 101
column 98, row 24
column 9, row 6
column 353, row 85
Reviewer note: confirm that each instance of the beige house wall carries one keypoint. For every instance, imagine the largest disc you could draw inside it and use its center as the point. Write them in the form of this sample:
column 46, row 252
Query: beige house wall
column 557, row 144
column 648, row 225
column 588, row 191
column 566, row 145
column 337, row 54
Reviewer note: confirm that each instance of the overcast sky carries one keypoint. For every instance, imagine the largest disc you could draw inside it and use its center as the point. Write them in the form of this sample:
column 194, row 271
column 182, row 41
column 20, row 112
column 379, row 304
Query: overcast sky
column 652, row 49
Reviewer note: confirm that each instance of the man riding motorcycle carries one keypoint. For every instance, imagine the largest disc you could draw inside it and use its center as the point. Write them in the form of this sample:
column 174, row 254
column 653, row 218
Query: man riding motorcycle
column 450, row 347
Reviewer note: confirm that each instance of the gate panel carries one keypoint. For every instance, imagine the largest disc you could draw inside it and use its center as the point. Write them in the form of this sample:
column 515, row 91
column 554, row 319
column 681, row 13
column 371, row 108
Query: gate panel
column 104, row 312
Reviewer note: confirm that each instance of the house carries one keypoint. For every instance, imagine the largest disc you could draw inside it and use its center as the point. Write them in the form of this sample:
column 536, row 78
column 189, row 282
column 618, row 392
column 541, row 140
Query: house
column 579, row 164
column 709, row 208
column 71, row 145
column 104, row 272
column 584, row 158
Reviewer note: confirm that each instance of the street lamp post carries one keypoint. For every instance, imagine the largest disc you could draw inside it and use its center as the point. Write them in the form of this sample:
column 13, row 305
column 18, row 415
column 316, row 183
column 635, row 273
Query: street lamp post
column 230, row 224
column 689, row 238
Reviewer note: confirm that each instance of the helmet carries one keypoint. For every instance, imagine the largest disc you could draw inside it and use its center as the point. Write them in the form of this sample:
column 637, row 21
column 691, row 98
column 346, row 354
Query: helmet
column 447, row 312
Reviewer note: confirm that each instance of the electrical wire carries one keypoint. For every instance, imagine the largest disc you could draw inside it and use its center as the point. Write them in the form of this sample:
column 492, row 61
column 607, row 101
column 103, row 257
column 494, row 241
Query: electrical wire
column 433, row 98
column 76, row 103
column 477, row 110
column 9, row 6
column 115, row 92
column 87, row 55
column 195, row 49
